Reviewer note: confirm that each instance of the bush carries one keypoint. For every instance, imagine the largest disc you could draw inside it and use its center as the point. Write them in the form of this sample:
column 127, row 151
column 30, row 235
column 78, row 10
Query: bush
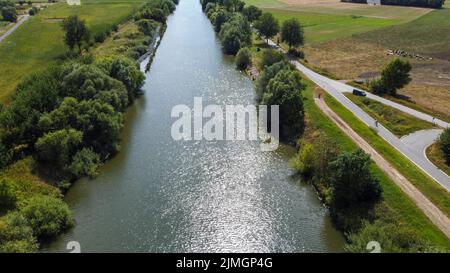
column 146, row 26
column 243, row 58
column 33, row 11
column 303, row 161
column 9, row 13
column 100, row 37
column 57, row 148
column 271, row 56
column 8, row 194
column 295, row 53
column 393, row 238
column 444, row 144
column 16, row 236
column 84, row 162
column 47, row 216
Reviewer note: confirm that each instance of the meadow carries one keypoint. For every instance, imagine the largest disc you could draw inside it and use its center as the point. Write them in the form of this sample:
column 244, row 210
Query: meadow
column 39, row 42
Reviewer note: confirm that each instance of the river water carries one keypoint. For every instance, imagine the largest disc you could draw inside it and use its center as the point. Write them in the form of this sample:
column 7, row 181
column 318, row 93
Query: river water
column 161, row 195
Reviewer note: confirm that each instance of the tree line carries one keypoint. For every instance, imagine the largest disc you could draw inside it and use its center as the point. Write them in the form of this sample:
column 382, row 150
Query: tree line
column 68, row 119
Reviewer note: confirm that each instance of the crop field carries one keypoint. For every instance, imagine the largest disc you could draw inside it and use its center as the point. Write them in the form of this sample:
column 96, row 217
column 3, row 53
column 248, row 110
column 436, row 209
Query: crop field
column 39, row 42
column 362, row 56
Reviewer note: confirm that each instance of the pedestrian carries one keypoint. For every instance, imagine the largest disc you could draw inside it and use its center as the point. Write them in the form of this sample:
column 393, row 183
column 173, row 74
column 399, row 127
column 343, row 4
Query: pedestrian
column 376, row 123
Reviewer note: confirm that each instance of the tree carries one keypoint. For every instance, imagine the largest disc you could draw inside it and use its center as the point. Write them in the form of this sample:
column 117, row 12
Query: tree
column 9, row 13
column 220, row 19
column 292, row 33
column 285, row 90
column 235, row 33
column 57, row 148
column 444, row 144
column 353, row 184
column 267, row 26
column 75, row 31
column 233, row 5
column 393, row 77
column 125, row 70
column 252, row 13
column 243, row 58
column 47, row 216
column 263, row 80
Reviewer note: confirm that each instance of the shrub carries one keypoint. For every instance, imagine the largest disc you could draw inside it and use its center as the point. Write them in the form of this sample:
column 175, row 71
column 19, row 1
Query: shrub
column 84, row 162
column 9, row 13
column 271, row 56
column 33, row 11
column 8, row 194
column 47, row 216
column 303, row 161
column 57, row 148
column 243, row 58
column 16, row 236
column 444, row 144
column 100, row 37
column 146, row 26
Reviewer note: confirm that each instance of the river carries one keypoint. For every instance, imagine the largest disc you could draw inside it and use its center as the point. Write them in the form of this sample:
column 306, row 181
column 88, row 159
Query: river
column 162, row 195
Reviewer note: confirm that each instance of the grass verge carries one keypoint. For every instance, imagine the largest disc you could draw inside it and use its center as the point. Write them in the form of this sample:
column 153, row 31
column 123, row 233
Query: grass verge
column 436, row 156
column 394, row 120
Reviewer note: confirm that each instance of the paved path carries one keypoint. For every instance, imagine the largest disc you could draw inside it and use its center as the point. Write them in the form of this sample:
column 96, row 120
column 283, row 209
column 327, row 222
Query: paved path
column 429, row 209
column 336, row 89
column 13, row 28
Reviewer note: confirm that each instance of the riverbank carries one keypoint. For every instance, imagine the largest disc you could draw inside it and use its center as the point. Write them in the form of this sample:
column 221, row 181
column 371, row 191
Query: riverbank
column 30, row 180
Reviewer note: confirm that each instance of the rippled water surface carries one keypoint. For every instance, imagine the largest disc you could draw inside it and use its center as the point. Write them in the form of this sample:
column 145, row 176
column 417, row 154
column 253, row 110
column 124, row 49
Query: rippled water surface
column 161, row 195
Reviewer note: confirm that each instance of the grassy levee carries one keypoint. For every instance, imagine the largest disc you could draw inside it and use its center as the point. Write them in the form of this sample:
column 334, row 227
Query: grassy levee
column 430, row 188
column 395, row 205
column 39, row 41
column 396, row 121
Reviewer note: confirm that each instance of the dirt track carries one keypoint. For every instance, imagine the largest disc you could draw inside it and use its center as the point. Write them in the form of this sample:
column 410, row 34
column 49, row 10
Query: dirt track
column 429, row 209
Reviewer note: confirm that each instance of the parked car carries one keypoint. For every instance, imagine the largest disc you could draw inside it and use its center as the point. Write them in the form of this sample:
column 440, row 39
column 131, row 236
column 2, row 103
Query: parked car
column 357, row 92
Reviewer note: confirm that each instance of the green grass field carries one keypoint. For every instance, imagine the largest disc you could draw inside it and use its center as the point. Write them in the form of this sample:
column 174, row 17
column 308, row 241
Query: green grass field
column 39, row 41
column 396, row 121
column 338, row 20
column 428, row 35
column 396, row 205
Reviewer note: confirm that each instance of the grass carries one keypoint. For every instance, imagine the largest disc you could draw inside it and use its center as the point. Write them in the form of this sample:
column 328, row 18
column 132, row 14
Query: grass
column 396, row 121
column 337, row 20
column 436, row 156
column 395, row 205
column 426, row 35
column 431, row 189
column 39, row 42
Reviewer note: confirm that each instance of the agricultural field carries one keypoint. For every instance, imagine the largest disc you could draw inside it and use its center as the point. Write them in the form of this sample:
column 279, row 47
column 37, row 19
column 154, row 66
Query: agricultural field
column 362, row 56
column 330, row 19
column 39, row 42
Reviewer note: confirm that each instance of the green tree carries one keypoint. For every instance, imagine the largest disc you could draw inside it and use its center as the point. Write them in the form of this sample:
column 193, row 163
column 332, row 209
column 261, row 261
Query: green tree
column 393, row 77
column 9, row 13
column 235, row 33
column 57, row 148
column 75, row 31
column 267, row 26
column 444, row 144
column 292, row 33
column 243, row 58
column 284, row 90
column 353, row 184
column 233, row 5
column 252, row 13
column 267, row 74
column 47, row 216
column 125, row 70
